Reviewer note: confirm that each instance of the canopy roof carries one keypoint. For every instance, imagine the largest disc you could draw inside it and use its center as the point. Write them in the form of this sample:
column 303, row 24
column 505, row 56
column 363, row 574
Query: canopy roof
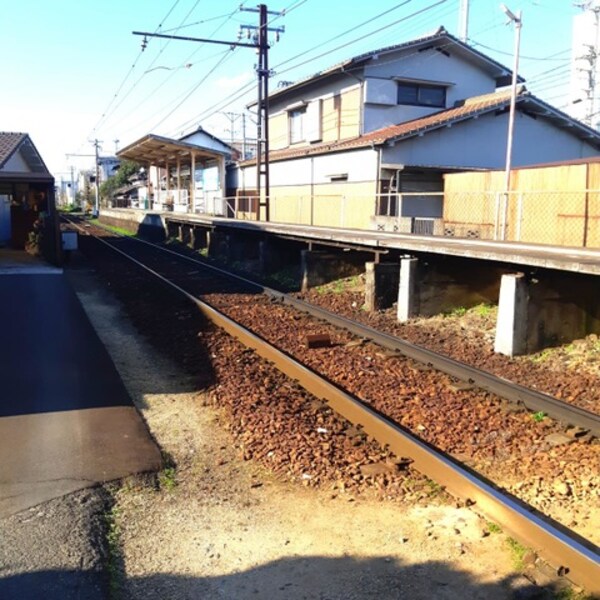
column 158, row 150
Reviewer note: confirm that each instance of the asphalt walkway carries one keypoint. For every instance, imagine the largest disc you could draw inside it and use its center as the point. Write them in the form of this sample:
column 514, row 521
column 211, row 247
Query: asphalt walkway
column 66, row 420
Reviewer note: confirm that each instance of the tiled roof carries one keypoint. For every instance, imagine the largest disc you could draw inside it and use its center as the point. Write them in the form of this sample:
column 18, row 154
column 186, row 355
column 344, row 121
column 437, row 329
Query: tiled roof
column 9, row 142
column 440, row 35
column 467, row 109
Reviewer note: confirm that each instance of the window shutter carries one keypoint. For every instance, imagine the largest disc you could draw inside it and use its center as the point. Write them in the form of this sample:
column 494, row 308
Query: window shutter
column 313, row 121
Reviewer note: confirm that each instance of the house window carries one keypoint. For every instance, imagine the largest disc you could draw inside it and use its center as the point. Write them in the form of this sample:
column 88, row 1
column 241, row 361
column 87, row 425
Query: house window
column 296, row 125
column 421, row 95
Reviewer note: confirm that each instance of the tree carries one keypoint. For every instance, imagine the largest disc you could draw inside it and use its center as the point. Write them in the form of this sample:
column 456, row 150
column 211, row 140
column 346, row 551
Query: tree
column 126, row 169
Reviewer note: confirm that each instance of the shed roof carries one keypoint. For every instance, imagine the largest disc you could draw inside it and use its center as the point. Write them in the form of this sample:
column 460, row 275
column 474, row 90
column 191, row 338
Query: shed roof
column 466, row 109
column 159, row 150
column 12, row 142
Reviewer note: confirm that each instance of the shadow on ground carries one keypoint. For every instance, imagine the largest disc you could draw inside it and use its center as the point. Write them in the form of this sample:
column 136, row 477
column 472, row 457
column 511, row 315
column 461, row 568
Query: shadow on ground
column 299, row 578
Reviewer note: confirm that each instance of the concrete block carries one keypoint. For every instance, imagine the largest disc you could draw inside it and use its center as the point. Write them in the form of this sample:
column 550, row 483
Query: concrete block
column 408, row 291
column 512, row 323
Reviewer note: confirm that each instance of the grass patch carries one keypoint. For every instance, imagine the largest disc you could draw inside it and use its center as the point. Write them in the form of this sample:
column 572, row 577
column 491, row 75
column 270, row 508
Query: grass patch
column 459, row 311
column 483, row 310
column 339, row 286
column 518, row 552
column 434, row 489
column 113, row 547
column 539, row 416
column 542, row 356
column 167, row 479
column 287, row 279
column 70, row 208
column 493, row 527
column 112, row 228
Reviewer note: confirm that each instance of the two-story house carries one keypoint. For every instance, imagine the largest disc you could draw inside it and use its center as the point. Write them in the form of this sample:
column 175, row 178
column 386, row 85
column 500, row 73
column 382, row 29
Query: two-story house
column 355, row 144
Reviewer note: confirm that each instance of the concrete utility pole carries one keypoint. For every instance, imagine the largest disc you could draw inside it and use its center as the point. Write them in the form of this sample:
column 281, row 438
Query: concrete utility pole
column 97, row 186
column 518, row 22
column 259, row 42
column 96, row 144
column 262, row 130
column 463, row 21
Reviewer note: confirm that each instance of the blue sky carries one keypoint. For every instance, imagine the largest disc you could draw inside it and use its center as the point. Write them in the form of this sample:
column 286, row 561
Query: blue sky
column 72, row 71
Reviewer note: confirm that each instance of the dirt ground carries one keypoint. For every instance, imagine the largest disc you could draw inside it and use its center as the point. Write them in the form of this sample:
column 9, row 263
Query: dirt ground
column 218, row 527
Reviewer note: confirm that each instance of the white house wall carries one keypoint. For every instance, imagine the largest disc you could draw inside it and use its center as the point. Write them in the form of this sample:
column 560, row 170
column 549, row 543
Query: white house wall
column 16, row 163
column 429, row 65
column 203, row 140
column 359, row 165
column 481, row 143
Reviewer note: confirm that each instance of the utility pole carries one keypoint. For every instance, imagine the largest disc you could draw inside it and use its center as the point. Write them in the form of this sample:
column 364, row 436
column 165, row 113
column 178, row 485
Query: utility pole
column 591, row 56
column 72, row 187
column 97, row 186
column 96, row 145
column 463, row 21
column 243, row 136
column 262, row 129
column 233, row 117
column 259, row 35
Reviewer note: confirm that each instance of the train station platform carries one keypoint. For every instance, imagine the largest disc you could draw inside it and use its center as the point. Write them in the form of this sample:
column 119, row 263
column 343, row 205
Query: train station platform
column 575, row 260
column 66, row 420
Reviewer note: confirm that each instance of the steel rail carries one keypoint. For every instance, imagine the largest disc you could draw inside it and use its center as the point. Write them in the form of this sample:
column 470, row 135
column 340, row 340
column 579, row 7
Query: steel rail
column 574, row 557
column 533, row 400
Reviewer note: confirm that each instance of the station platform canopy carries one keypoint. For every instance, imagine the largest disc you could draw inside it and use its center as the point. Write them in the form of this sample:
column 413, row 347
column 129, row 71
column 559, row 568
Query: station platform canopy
column 162, row 151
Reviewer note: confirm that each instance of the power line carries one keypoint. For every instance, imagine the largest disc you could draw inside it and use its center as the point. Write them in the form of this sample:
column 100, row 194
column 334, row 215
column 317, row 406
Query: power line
column 149, row 67
column 150, row 96
column 229, row 100
column 540, row 58
column 131, row 69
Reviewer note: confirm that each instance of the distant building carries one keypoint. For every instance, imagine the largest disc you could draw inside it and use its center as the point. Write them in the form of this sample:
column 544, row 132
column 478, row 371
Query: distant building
column 109, row 165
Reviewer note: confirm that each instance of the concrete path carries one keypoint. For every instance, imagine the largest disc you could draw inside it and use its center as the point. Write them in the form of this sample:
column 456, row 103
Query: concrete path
column 66, row 420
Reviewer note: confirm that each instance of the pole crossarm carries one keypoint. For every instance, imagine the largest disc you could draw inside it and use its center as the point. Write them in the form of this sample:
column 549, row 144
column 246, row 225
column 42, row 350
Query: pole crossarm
column 260, row 43
column 193, row 39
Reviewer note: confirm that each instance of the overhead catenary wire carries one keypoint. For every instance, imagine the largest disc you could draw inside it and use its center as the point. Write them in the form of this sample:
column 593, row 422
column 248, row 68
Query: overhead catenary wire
column 129, row 72
column 154, row 60
column 151, row 95
column 232, row 98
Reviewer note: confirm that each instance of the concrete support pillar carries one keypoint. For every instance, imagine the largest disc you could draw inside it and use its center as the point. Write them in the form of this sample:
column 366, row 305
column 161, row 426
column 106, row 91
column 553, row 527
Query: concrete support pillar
column 198, row 238
column 511, row 327
column 381, row 285
column 218, row 245
column 273, row 256
column 315, row 269
column 186, row 235
column 408, row 292
column 172, row 229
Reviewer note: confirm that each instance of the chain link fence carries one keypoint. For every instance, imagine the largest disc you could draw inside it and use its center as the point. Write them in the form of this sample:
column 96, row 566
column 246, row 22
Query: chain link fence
column 535, row 217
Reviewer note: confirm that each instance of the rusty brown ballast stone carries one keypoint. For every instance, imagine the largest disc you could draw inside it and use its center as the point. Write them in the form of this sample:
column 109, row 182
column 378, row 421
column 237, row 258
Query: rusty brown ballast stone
column 572, row 556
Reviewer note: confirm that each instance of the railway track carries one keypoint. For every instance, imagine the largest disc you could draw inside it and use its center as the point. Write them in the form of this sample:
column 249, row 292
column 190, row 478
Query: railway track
column 572, row 554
